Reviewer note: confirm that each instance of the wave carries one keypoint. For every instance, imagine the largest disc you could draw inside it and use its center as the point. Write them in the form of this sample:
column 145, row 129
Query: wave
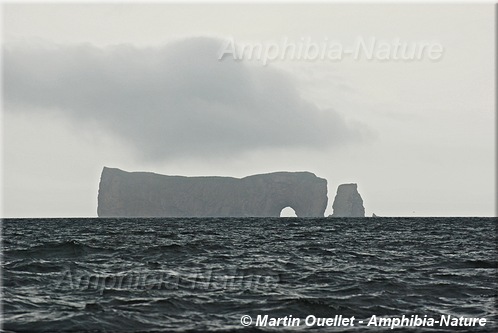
column 202, row 275
column 64, row 249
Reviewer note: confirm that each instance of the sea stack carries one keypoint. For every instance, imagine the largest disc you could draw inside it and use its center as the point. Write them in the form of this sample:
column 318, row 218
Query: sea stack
column 348, row 202
column 146, row 194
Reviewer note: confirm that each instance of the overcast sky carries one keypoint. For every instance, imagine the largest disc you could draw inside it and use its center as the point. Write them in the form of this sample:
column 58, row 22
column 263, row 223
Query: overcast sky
column 141, row 88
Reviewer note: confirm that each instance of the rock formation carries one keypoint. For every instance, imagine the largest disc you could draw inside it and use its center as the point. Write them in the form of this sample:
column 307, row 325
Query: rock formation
column 144, row 194
column 348, row 202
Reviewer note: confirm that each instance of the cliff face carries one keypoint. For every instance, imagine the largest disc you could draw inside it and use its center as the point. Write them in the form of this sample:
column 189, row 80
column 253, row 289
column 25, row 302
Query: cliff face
column 348, row 202
column 143, row 194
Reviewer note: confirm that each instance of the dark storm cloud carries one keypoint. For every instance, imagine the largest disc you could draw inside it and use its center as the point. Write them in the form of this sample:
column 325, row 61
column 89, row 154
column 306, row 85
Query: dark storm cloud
column 169, row 101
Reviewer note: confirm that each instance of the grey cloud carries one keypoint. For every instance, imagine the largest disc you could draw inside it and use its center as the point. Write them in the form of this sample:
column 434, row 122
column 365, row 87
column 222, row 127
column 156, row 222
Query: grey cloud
column 171, row 101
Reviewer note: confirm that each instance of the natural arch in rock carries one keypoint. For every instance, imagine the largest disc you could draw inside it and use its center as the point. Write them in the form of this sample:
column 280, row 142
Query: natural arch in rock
column 145, row 194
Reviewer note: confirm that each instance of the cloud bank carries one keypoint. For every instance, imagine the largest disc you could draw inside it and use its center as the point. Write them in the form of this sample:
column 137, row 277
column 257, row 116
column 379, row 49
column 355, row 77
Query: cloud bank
column 170, row 101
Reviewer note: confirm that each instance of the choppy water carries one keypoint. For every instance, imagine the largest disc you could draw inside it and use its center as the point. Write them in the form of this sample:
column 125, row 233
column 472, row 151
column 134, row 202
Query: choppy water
column 130, row 275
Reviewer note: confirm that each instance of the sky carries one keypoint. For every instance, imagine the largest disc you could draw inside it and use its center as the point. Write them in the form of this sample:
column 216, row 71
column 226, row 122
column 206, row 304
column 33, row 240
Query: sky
column 156, row 87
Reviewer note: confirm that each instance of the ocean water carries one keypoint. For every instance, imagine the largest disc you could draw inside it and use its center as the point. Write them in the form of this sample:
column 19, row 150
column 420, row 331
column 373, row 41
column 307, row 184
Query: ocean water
column 197, row 275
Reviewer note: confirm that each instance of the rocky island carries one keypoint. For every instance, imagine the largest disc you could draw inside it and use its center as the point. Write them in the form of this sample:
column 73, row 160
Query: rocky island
column 146, row 194
column 348, row 202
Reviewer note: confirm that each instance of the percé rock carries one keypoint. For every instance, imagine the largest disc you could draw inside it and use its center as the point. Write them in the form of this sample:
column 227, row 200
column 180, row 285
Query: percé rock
column 348, row 202
column 145, row 194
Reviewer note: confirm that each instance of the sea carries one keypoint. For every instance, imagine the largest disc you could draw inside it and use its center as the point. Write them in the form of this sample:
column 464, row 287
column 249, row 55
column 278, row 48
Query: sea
column 249, row 275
